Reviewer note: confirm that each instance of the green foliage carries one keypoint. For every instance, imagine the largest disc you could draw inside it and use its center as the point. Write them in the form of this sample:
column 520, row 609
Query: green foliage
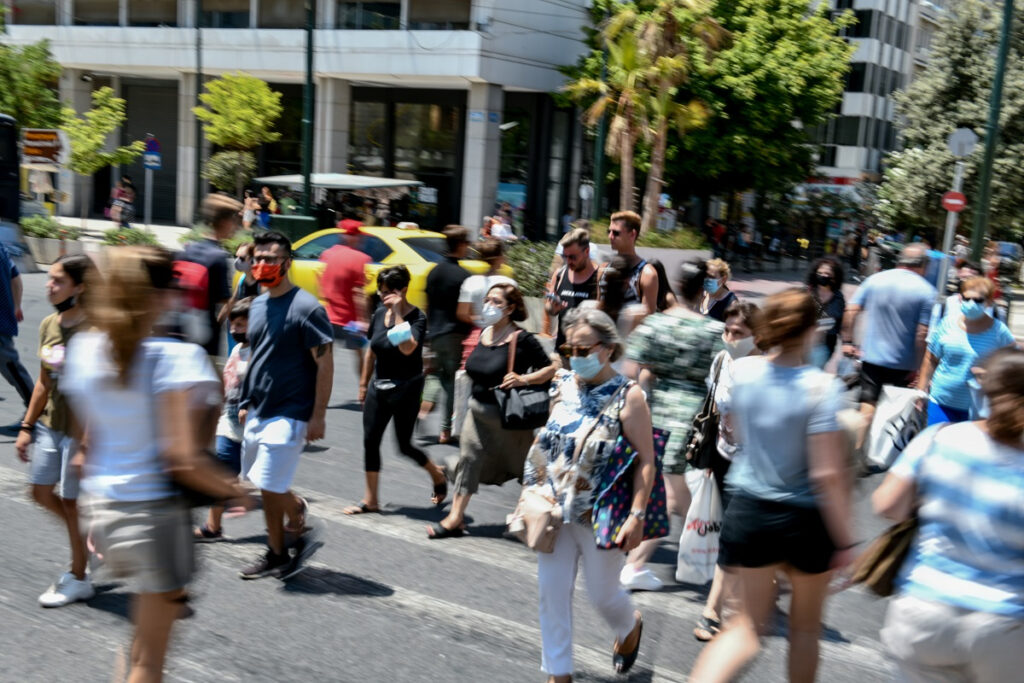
column 230, row 169
column 239, row 111
column 48, row 227
column 531, row 263
column 953, row 92
column 127, row 237
column 88, row 134
column 229, row 245
column 685, row 237
column 29, row 76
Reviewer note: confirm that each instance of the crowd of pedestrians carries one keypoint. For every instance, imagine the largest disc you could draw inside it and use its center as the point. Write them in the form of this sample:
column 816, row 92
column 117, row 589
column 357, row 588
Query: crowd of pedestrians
column 649, row 381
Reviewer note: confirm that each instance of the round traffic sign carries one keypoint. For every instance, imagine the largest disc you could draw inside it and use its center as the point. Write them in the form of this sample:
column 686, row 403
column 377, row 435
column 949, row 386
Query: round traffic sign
column 961, row 142
column 954, row 201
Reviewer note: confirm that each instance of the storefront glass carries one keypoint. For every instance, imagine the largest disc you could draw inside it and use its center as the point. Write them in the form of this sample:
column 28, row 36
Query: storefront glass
column 380, row 15
column 153, row 13
column 34, row 12
column 97, row 12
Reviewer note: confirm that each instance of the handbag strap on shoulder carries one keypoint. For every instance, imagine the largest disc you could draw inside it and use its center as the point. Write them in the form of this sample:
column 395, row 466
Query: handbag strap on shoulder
column 512, row 351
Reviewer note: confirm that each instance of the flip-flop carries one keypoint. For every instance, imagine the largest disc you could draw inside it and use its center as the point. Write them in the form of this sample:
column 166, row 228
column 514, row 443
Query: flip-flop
column 359, row 509
column 709, row 626
column 204, row 534
column 622, row 661
column 438, row 531
column 440, row 493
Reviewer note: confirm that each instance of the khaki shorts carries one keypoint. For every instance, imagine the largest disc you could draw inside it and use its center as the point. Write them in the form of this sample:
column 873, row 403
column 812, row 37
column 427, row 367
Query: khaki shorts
column 149, row 542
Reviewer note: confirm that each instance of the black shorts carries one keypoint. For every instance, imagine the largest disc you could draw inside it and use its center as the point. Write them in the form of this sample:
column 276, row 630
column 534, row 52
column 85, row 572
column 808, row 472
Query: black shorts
column 759, row 533
column 872, row 377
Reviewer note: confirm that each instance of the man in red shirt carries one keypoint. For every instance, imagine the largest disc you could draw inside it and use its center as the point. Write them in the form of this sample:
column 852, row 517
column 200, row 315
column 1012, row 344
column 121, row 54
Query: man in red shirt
column 341, row 286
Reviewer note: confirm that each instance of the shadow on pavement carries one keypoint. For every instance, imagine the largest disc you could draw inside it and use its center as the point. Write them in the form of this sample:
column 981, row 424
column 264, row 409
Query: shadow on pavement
column 322, row 581
column 354, row 406
column 106, row 600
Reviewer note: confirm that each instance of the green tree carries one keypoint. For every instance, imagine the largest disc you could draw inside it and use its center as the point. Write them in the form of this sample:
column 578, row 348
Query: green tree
column 29, row 76
column 88, row 137
column 953, row 92
column 239, row 112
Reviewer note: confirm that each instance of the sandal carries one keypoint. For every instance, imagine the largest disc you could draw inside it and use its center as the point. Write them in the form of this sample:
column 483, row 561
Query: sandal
column 438, row 531
column 440, row 493
column 204, row 534
column 623, row 662
column 707, row 628
column 359, row 509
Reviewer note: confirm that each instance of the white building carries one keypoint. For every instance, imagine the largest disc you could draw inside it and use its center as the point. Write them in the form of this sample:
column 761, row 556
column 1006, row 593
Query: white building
column 406, row 88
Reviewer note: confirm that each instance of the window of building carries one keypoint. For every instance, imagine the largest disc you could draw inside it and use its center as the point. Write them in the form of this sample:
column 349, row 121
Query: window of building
column 847, row 131
column 844, row 4
column 426, row 137
column 225, row 14
column 827, row 155
column 450, row 15
column 368, row 135
column 153, row 13
column 96, row 12
column 384, row 15
column 924, row 39
column 275, row 14
column 862, row 29
column 855, row 77
column 33, row 12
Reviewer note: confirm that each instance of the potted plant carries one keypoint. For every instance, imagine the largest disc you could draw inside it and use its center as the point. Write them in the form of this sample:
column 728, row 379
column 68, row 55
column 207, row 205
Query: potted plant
column 48, row 240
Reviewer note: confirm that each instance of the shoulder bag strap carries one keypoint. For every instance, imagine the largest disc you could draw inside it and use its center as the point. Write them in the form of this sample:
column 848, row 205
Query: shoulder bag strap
column 597, row 418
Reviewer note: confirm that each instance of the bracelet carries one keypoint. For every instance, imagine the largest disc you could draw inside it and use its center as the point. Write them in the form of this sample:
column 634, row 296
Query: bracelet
column 26, row 427
column 639, row 514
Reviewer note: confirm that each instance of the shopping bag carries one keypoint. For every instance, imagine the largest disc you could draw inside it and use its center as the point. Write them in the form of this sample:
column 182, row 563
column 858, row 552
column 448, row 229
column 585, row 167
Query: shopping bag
column 698, row 544
column 897, row 420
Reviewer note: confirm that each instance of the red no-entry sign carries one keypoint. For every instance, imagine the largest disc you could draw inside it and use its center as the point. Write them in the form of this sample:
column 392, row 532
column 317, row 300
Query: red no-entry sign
column 954, row 201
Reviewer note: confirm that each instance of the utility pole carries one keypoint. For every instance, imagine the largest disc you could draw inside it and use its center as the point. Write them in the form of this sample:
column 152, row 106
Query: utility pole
column 307, row 111
column 602, row 133
column 199, row 124
column 991, row 135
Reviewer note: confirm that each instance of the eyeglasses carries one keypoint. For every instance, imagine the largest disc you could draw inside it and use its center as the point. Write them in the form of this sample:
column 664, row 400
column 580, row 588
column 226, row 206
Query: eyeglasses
column 572, row 350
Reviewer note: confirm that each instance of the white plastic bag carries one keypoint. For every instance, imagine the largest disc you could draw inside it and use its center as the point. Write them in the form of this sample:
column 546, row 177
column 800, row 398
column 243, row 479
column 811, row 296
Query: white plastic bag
column 897, row 420
column 463, row 390
column 698, row 544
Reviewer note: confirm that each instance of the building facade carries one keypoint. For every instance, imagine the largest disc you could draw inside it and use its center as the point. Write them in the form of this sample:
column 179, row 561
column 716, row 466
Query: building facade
column 453, row 93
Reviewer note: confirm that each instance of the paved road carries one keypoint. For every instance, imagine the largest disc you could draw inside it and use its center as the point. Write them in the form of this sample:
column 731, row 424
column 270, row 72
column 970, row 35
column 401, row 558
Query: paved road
column 380, row 602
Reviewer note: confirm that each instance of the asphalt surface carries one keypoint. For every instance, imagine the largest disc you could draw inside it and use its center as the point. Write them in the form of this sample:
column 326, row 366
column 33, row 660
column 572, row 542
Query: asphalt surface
column 379, row 602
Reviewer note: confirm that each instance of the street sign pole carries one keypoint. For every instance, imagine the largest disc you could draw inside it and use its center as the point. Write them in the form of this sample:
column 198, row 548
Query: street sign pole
column 947, row 240
column 149, row 199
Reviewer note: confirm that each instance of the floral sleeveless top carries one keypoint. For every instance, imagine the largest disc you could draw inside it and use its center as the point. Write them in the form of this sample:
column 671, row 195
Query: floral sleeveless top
column 575, row 406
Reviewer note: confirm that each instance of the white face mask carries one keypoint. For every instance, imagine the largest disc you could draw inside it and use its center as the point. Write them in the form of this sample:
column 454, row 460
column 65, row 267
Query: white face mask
column 491, row 314
column 740, row 347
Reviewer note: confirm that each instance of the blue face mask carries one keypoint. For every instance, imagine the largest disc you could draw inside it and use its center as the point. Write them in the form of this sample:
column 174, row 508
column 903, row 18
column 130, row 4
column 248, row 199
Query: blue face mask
column 711, row 286
column 587, row 367
column 972, row 310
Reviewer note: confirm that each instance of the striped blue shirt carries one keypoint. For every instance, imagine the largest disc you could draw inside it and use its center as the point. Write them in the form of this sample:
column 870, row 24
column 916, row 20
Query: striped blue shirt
column 958, row 352
column 969, row 550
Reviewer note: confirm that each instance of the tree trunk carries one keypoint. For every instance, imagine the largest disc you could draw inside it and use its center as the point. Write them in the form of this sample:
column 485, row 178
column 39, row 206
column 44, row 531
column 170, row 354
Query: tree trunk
column 654, row 177
column 627, row 173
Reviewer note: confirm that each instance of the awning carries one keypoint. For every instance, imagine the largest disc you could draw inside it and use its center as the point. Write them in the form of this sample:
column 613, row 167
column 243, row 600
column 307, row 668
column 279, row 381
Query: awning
column 337, row 181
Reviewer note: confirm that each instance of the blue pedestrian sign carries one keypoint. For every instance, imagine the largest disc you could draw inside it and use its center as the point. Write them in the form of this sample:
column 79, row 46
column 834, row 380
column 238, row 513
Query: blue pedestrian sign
column 151, row 158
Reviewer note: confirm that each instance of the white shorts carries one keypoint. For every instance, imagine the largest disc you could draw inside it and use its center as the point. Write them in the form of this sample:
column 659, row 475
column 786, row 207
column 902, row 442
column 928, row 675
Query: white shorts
column 51, row 462
column 271, row 450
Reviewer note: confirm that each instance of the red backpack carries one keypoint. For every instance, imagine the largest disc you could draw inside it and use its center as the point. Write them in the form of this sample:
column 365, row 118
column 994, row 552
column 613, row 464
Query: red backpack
column 194, row 281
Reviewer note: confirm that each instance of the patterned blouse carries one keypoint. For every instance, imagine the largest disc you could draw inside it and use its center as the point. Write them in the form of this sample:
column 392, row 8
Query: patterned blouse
column 679, row 351
column 575, row 405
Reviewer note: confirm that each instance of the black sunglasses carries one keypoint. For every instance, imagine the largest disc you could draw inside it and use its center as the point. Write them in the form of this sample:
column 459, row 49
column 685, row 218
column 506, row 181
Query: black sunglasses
column 976, row 299
column 572, row 350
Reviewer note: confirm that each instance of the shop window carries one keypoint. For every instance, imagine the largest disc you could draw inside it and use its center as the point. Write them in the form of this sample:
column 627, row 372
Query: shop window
column 378, row 16
column 225, row 14
column 96, row 12
column 34, row 12
column 855, row 77
column 276, row 14
column 368, row 134
column 153, row 13
column 426, row 137
column 450, row 15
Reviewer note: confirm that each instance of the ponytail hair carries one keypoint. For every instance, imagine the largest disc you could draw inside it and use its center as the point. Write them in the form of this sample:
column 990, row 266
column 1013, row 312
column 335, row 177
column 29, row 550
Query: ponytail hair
column 122, row 302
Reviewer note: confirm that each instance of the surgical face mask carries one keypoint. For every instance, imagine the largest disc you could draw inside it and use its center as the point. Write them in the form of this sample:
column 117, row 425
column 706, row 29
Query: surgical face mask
column 399, row 334
column 711, row 286
column 66, row 305
column 740, row 347
column 823, row 280
column 242, row 266
column 587, row 367
column 491, row 314
column 972, row 310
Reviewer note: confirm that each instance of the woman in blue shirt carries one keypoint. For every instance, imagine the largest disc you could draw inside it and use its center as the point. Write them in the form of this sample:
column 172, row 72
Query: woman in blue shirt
column 959, row 343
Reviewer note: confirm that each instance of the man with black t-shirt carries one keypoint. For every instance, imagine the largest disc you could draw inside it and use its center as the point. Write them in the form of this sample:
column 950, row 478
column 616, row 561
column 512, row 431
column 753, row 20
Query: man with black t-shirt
column 573, row 283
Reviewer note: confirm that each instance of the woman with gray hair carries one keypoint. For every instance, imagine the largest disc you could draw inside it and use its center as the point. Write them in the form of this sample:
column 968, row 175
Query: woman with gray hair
column 591, row 407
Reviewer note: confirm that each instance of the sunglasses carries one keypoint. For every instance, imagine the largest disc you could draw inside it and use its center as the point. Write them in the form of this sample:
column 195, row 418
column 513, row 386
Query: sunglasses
column 614, row 233
column 572, row 350
column 976, row 299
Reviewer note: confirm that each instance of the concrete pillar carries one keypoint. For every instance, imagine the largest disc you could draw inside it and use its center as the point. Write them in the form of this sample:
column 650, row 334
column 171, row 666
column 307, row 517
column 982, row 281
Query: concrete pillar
column 122, row 13
column 186, row 148
column 326, row 15
column 254, row 13
column 65, row 15
column 331, row 127
column 482, row 152
column 78, row 94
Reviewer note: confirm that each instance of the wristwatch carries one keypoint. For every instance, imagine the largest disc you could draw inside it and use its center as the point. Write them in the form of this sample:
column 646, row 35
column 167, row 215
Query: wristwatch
column 639, row 514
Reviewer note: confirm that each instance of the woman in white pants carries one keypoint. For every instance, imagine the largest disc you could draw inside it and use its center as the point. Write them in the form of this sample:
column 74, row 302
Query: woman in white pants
column 591, row 407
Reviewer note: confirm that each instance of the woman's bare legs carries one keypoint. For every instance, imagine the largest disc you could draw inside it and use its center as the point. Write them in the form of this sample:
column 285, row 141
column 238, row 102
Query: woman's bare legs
column 805, row 612
column 726, row 656
column 154, row 616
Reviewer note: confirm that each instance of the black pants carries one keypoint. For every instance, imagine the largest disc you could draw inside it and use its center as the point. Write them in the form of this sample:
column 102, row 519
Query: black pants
column 401, row 403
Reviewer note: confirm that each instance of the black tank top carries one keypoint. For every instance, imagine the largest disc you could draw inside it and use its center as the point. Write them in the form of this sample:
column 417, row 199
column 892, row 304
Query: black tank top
column 573, row 294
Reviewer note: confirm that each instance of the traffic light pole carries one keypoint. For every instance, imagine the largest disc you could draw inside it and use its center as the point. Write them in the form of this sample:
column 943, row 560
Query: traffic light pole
column 991, row 136
column 307, row 111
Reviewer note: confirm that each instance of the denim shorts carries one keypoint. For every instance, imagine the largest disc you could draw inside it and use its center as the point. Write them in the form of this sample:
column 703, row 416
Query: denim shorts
column 51, row 460
column 230, row 454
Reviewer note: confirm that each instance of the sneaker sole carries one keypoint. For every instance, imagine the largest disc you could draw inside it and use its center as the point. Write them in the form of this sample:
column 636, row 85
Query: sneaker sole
column 300, row 564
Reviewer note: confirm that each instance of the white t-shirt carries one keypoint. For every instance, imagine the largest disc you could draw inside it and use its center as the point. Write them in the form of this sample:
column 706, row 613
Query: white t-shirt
column 475, row 288
column 124, row 460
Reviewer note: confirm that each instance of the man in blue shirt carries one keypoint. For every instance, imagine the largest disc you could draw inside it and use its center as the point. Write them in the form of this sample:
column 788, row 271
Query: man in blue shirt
column 10, row 315
column 898, row 305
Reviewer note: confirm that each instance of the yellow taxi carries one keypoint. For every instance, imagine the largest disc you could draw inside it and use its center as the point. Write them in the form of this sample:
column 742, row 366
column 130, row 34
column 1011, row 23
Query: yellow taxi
column 417, row 250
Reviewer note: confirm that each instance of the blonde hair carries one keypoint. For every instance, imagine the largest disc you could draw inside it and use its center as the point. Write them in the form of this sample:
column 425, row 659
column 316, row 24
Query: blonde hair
column 979, row 283
column 580, row 236
column 122, row 302
column 721, row 266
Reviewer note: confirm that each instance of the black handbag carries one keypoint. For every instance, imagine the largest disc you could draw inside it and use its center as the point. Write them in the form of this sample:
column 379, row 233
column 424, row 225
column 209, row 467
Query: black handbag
column 702, row 446
column 522, row 407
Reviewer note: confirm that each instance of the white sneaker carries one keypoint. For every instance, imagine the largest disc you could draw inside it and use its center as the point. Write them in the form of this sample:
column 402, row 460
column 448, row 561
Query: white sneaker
column 67, row 590
column 643, row 580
